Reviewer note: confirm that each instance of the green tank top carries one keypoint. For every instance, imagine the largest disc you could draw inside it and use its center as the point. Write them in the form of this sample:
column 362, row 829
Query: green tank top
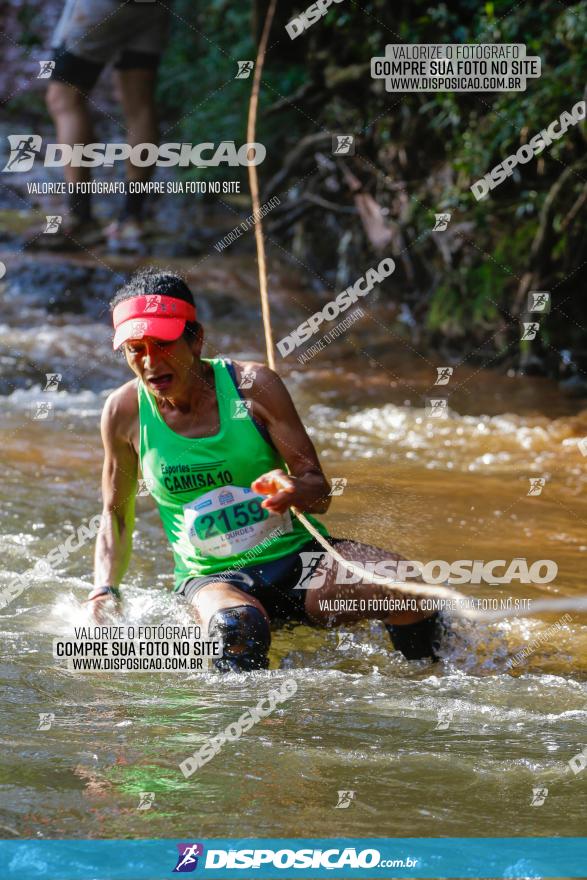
column 212, row 518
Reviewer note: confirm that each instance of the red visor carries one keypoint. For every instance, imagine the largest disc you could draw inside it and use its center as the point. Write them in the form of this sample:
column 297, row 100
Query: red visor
column 153, row 314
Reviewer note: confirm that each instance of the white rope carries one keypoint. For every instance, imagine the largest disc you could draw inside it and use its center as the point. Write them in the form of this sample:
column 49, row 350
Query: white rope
column 459, row 608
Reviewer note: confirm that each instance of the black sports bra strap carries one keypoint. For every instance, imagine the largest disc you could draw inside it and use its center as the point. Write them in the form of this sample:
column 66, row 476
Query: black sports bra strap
column 259, row 425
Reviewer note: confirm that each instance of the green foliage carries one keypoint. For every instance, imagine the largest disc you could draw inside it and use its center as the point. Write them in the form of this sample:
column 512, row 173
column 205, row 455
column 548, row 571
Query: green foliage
column 476, row 131
column 197, row 86
column 467, row 297
column 472, row 296
column 27, row 20
column 446, row 140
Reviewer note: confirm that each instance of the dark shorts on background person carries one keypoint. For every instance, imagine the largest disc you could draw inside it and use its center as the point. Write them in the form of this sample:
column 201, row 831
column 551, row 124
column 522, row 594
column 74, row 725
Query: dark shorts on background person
column 93, row 33
column 271, row 583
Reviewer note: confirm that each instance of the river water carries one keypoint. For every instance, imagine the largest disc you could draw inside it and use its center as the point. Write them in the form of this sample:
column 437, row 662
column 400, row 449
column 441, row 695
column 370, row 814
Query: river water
column 363, row 719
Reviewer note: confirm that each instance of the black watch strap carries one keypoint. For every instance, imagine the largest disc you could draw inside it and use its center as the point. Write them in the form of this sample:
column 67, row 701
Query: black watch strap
column 103, row 591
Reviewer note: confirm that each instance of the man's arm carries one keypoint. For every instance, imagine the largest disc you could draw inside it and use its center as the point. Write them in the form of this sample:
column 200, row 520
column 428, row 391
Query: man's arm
column 305, row 487
column 119, row 486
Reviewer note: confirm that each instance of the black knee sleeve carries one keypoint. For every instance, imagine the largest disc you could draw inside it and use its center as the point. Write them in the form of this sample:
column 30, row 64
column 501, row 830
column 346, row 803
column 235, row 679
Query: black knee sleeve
column 417, row 640
column 245, row 636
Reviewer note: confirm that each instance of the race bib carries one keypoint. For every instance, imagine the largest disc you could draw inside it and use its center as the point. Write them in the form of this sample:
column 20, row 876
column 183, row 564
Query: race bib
column 230, row 520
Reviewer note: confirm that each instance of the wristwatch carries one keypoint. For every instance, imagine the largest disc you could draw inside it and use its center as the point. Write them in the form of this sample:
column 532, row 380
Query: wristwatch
column 102, row 591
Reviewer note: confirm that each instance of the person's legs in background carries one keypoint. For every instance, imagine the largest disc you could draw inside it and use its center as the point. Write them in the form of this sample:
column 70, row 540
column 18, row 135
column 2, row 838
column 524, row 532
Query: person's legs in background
column 82, row 42
column 90, row 34
column 135, row 89
column 135, row 79
column 69, row 110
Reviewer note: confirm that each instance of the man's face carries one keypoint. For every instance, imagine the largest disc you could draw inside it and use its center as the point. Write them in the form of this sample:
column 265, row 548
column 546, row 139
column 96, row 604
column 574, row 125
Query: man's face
column 166, row 368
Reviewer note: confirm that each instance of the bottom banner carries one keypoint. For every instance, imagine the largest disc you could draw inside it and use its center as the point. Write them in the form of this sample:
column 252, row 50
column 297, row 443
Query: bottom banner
column 486, row 857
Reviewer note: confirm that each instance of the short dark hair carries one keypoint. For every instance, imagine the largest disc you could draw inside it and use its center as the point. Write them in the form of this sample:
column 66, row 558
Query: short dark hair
column 154, row 280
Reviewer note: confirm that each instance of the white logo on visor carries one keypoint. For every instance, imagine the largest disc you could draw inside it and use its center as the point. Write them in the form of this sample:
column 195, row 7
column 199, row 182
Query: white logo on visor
column 138, row 329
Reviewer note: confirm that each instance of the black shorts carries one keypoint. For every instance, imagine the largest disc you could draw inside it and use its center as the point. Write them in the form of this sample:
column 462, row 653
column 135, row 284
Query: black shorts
column 83, row 74
column 93, row 33
column 273, row 584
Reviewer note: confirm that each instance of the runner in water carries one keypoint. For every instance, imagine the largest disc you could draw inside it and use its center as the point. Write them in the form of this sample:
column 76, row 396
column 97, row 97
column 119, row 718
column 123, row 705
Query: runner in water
column 224, row 454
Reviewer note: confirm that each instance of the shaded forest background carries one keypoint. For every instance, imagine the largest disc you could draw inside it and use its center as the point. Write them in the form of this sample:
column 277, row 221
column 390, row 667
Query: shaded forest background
column 463, row 290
